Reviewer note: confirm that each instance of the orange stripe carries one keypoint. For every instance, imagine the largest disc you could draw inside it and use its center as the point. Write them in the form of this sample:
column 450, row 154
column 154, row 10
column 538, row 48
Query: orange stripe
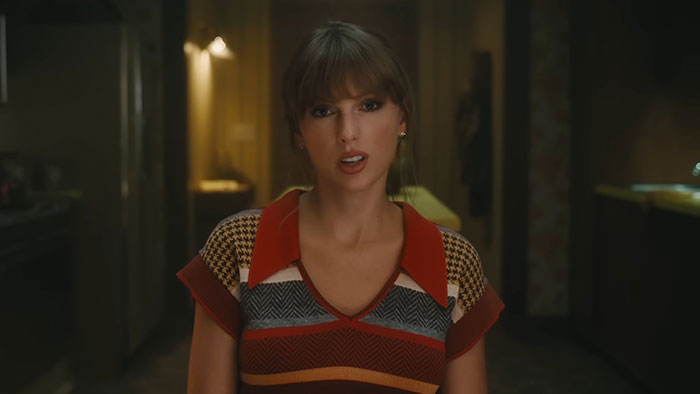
column 339, row 373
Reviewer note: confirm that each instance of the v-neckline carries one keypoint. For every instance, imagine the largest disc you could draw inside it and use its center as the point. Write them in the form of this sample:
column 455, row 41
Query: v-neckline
column 367, row 309
column 277, row 245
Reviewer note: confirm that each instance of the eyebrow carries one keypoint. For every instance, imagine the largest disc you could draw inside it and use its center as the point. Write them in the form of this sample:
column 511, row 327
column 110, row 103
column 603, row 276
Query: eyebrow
column 360, row 96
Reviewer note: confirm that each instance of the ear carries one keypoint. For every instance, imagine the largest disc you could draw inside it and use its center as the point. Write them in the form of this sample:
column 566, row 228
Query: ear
column 298, row 139
column 402, row 120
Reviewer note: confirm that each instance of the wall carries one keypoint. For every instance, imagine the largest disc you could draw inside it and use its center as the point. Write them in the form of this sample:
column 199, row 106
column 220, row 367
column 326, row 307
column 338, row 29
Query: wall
column 449, row 33
column 641, row 129
column 550, row 129
column 229, row 99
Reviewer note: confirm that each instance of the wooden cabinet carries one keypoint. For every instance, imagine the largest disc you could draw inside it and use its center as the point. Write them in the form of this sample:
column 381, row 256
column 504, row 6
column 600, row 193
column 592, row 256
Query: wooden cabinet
column 676, row 256
column 646, row 261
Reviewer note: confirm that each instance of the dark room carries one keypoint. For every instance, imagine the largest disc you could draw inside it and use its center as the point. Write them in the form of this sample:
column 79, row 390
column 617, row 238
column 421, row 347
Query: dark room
column 151, row 149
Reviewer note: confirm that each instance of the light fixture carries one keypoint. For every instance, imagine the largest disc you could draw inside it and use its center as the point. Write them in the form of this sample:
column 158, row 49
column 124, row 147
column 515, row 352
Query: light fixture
column 208, row 39
column 217, row 47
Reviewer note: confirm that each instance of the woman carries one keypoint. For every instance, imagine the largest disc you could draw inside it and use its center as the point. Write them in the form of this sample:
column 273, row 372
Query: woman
column 338, row 288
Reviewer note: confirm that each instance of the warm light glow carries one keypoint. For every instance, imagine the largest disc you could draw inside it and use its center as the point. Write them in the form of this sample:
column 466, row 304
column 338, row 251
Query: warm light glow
column 222, row 185
column 188, row 47
column 199, row 93
column 218, row 45
column 218, row 48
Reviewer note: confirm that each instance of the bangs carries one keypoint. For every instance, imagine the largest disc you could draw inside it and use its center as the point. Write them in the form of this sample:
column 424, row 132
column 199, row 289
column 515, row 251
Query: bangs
column 335, row 59
column 330, row 77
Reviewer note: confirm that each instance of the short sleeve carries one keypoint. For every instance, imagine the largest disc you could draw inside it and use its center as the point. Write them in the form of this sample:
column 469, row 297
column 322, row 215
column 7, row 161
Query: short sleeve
column 212, row 276
column 477, row 306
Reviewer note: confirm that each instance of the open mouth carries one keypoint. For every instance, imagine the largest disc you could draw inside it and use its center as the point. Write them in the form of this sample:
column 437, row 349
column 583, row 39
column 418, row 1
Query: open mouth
column 353, row 160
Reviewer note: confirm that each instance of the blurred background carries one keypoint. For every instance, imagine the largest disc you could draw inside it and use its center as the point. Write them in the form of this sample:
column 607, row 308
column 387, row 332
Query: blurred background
column 561, row 137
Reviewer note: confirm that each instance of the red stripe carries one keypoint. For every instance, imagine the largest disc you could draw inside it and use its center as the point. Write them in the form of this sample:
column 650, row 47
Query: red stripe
column 399, row 334
column 342, row 347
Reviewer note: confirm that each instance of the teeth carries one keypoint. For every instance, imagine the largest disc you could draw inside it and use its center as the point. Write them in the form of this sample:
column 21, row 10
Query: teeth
column 353, row 159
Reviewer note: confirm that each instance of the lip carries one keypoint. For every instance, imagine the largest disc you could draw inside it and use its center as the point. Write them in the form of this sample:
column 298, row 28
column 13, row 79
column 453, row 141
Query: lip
column 352, row 168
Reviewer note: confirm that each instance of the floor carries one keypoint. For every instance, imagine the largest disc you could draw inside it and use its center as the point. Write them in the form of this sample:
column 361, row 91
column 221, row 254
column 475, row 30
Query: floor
column 542, row 359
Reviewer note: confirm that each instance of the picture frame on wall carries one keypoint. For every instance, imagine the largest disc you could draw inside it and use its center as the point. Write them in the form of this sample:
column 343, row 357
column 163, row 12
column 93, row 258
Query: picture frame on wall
column 3, row 59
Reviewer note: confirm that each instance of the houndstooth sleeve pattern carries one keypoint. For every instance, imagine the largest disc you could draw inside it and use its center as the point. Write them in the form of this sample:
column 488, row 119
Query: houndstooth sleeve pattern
column 213, row 275
column 477, row 305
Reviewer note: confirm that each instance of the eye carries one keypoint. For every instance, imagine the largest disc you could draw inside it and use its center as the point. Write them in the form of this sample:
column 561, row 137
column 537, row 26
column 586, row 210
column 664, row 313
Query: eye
column 371, row 105
column 321, row 111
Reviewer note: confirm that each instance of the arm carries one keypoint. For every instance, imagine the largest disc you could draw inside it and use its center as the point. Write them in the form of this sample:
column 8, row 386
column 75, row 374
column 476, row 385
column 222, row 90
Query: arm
column 213, row 361
column 467, row 373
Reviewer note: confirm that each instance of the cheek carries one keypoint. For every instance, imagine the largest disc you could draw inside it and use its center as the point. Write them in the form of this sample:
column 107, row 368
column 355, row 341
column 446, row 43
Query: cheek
column 314, row 134
column 317, row 144
column 388, row 137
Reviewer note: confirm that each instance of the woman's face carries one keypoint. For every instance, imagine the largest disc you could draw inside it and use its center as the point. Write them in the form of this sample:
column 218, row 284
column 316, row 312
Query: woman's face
column 352, row 141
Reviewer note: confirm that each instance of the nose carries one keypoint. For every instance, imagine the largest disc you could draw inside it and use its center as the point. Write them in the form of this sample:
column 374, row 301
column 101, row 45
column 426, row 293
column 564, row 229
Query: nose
column 348, row 128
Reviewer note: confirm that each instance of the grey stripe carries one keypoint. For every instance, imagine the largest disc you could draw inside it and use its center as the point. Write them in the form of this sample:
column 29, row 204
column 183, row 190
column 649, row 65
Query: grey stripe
column 293, row 322
column 426, row 332
column 283, row 300
column 411, row 308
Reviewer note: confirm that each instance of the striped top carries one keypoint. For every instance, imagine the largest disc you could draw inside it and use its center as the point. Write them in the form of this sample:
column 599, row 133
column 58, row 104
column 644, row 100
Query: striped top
column 250, row 279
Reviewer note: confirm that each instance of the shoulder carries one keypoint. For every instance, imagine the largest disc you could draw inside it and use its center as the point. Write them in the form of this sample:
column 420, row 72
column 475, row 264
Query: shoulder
column 230, row 244
column 464, row 269
column 233, row 237
column 458, row 250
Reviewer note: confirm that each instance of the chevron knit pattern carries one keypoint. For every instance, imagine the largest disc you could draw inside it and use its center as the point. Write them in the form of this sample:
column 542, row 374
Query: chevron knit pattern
column 412, row 311
column 342, row 347
column 281, row 304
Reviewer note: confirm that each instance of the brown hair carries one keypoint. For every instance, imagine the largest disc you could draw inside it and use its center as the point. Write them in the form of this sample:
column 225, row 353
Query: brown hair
column 335, row 55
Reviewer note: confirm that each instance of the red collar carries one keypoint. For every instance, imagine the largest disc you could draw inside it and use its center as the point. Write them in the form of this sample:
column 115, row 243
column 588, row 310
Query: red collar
column 277, row 245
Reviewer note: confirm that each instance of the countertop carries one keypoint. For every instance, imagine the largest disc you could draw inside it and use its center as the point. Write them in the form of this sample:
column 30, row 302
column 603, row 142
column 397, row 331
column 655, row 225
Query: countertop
column 689, row 205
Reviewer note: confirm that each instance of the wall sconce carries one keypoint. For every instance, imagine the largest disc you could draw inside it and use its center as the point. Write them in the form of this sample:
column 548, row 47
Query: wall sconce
column 217, row 47
column 211, row 41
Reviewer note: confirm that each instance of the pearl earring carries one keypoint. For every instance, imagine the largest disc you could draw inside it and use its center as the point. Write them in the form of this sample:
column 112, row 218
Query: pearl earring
column 402, row 134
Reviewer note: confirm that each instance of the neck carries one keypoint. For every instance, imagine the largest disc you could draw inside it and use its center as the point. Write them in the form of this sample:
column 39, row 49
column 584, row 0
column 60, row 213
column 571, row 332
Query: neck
column 349, row 217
